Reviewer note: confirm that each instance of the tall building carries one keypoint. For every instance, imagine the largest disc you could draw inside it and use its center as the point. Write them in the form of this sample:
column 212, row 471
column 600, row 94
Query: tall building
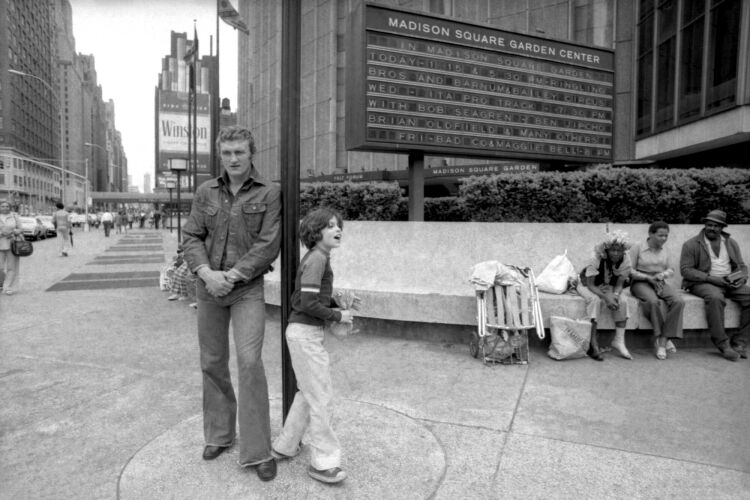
column 30, row 162
column 171, row 115
column 147, row 186
column 54, row 126
column 677, row 94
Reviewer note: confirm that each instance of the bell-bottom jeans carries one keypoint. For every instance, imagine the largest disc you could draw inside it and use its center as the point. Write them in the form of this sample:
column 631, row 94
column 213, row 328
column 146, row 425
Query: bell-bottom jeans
column 246, row 309
column 312, row 408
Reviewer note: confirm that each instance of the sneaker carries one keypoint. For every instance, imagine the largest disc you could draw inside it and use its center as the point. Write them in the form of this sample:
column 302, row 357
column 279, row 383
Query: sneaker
column 330, row 476
column 65, row 254
column 671, row 349
column 174, row 296
column 194, row 305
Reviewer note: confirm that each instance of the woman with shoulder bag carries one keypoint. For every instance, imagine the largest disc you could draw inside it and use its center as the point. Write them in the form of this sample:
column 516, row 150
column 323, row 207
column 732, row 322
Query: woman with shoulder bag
column 9, row 229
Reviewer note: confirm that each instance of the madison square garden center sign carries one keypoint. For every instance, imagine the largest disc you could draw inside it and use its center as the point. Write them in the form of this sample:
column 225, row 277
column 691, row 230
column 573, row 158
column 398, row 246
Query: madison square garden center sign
column 426, row 83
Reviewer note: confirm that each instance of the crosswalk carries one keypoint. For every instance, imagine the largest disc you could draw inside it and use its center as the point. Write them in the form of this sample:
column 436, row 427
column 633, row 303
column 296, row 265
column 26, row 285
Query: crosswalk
column 130, row 251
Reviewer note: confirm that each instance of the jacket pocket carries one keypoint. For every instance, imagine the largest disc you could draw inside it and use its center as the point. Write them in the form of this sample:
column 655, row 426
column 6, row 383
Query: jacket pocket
column 210, row 213
column 253, row 213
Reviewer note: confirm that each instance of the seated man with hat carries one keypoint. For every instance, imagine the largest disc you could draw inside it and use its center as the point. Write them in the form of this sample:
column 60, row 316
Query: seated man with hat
column 712, row 268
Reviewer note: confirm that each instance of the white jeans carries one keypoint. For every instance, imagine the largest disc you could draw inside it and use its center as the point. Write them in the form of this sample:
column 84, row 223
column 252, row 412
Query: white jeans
column 10, row 263
column 312, row 408
column 63, row 240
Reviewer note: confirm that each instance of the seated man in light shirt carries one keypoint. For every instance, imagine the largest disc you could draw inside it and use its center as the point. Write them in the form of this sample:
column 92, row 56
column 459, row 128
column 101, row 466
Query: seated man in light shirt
column 712, row 268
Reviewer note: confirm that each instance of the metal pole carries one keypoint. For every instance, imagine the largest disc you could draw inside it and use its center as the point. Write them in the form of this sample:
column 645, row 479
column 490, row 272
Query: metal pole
column 179, row 207
column 171, row 210
column 86, row 197
column 416, row 186
column 289, row 161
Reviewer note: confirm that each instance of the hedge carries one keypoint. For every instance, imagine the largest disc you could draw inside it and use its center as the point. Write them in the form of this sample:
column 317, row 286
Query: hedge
column 605, row 194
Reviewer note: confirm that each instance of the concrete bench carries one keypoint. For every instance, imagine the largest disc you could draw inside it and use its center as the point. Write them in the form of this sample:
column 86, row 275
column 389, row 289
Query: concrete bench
column 419, row 271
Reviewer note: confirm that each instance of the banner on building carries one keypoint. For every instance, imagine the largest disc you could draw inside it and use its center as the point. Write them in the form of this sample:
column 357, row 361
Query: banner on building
column 172, row 133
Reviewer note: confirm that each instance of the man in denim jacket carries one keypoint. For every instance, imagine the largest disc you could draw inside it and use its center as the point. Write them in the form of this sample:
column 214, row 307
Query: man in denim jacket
column 230, row 240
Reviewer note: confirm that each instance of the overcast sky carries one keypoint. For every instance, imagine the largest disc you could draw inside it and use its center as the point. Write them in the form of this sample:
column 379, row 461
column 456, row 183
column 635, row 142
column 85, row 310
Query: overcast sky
column 128, row 39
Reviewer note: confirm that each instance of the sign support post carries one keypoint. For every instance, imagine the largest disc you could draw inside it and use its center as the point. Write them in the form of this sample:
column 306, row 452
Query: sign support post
column 416, row 186
column 290, row 161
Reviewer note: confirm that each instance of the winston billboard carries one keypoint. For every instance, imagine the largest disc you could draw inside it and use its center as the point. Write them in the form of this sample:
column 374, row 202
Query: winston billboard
column 172, row 134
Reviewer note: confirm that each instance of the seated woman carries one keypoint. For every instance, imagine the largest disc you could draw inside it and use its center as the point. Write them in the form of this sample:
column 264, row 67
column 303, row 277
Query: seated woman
column 651, row 268
column 602, row 282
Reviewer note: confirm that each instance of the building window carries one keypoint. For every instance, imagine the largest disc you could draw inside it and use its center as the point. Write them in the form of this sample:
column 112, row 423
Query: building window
column 691, row 57
column 645, row 66
column 687, row 61
column 723, row 48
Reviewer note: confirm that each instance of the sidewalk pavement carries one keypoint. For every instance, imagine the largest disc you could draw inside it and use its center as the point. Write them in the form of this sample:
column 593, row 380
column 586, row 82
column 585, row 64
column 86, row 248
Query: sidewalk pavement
column 102, row 400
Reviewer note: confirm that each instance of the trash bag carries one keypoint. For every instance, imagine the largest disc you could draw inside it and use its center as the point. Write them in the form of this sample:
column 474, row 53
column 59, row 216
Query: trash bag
column 570, row 338
column 557, row 276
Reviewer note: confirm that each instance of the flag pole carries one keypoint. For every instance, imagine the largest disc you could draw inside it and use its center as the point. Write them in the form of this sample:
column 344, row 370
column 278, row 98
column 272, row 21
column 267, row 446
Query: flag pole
column 215, row 106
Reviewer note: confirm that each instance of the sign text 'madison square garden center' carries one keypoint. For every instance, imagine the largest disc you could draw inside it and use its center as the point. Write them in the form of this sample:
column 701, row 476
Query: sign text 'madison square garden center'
column 417, row 82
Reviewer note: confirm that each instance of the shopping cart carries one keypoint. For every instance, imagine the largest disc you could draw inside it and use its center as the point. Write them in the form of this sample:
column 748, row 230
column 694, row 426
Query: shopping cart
column 505, row 314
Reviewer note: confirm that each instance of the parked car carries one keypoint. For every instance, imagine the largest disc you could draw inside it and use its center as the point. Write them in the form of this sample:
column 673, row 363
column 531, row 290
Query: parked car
column 46, row 221
column 77, row 219
column 32, row 228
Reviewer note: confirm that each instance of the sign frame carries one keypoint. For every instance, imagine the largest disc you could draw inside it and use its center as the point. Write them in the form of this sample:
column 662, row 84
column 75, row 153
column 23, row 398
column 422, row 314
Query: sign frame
column 563, row 110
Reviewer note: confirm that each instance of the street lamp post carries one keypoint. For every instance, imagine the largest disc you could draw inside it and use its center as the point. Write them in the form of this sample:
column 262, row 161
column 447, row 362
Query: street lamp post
column 86, row 201
column 62, row 125
column 170, row 188
column 178, row 165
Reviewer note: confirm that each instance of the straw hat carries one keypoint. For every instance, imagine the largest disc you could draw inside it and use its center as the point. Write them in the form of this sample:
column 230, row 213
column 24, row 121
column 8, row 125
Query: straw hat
column 717, row 216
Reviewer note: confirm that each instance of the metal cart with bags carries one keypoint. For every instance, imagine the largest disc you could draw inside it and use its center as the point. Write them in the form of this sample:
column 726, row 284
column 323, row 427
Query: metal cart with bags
column 506, row 310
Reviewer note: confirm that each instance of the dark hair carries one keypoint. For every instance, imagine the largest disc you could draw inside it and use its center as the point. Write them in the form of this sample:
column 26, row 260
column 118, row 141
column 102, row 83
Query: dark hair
column 236, row 133
column 660, row 224
column 59, row 205
column 314, row 222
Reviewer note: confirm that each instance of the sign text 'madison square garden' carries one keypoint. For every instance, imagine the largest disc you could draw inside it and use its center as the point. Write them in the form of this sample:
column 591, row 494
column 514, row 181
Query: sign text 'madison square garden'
column 418, row 82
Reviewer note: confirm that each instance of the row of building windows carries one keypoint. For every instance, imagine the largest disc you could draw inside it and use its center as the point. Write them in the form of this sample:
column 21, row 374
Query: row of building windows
column 687, row 61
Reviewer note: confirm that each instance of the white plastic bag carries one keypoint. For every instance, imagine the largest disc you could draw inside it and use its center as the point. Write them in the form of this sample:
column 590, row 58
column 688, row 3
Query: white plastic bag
column 557, row 275
column 570, row 337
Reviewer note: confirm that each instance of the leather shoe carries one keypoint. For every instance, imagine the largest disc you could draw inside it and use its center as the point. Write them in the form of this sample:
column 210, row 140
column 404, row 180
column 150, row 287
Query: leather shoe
column 266, row 470
column 741, row 350
column 211, row 452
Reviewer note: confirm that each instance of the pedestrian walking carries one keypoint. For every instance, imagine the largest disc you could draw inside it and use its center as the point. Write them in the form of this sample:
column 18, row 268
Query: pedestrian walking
column 107, row 221
column 311, row 411
column 10, row 227
column 63, row 222
column 157, row 218
column 231, row 237
column 130, row 219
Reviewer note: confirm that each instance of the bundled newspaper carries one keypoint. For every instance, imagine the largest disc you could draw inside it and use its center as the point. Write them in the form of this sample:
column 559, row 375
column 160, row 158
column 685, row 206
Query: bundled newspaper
column 344, row 299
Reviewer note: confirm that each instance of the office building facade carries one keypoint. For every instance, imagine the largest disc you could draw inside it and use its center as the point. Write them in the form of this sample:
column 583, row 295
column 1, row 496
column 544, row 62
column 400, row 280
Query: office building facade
column 680, row 93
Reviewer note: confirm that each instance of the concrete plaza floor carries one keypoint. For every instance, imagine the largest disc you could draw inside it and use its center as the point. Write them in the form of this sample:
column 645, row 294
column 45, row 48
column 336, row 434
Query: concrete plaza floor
column 101, row 399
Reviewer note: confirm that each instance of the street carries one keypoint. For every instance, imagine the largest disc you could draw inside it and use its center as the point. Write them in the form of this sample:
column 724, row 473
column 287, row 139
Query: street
column 99, row 375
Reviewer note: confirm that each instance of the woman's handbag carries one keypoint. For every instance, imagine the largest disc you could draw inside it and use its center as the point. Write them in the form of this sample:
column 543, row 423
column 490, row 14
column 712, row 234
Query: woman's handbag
column 20, row 247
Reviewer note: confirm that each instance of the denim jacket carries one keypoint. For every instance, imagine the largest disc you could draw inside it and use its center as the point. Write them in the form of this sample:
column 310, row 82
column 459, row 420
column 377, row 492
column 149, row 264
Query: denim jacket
column 241, row 232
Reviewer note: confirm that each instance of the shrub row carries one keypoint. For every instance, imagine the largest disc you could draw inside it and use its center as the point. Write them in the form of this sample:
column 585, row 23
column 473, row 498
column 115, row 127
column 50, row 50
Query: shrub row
column 621, row 195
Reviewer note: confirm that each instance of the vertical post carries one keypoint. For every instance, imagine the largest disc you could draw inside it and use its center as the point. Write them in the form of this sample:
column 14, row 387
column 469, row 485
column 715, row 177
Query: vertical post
column 416, row 186
column 171, row 210
column 86, row 197
column 179, row 207
column 289, row 161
